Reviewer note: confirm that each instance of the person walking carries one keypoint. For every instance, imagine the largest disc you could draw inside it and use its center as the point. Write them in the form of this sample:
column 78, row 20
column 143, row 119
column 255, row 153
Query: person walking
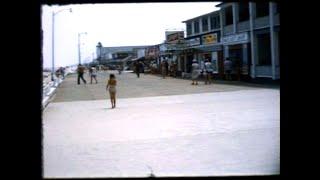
column 175, row 67
column 209, row 71
column 195, row 72
column 80, row 71
column 111, row 87
column 228, row 68
column 141, row 67
column 137, row 68
column 167, row 67
column 93, row 74
column 163, row 69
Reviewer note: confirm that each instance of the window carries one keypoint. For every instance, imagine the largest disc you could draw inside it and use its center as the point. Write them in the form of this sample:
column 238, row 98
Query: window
column 262, row 9
column 264, row 49
column 196, row 26
column 215, row 22
column 189, row 29
column 205, row 24
column 228, row 16
column 243, row 11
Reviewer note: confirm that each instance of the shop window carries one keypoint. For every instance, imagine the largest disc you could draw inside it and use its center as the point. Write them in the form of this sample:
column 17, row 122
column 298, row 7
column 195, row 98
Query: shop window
column 189, row 29
column 205, row 24
column 262, row 9
column 264, row 49
column 243, row 11
column 196, row 26
column 228, row 16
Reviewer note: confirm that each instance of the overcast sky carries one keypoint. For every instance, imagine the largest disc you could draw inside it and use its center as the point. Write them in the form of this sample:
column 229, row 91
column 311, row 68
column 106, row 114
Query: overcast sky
column 127, row 24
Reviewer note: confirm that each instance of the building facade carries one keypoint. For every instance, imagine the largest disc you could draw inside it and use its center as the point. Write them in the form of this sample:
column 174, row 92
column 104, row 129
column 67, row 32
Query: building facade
column 203, row 42
column 251, row 37
column 113, row 54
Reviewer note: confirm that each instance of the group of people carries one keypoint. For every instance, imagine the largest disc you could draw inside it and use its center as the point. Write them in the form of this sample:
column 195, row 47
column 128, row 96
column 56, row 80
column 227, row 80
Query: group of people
column 60, row 71
column 92, row 74
column 110, row 84
column 168, row 69
column 207, row 72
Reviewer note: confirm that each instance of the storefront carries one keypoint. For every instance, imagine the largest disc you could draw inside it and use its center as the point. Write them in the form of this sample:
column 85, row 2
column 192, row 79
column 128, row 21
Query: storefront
column 188, row 53
column 201, row 48
column 237, row 48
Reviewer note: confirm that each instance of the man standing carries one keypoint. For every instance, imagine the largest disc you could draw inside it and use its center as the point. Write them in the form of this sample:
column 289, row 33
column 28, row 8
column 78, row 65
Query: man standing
column 163, row 69
column 209, row 71
column 137, row 65
column 80, row 71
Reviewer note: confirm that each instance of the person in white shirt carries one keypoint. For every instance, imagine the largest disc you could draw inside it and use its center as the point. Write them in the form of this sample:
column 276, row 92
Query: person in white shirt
column 93, row 74
column 195, row 72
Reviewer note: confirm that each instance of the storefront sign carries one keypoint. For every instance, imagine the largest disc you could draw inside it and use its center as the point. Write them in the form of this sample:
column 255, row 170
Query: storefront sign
column 210, row 38
column 193, row 42
column 151, row 52
column 235, row 38
column 174, row 36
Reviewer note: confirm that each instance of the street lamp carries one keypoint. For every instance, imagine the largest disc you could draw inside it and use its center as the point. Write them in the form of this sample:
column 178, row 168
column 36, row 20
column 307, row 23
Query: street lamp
column 53, row 14
column 79, row 34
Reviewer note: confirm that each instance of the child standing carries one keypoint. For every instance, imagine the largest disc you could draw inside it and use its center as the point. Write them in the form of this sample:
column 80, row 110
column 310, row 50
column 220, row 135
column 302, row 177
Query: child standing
column 111, row 86
column 93, row 74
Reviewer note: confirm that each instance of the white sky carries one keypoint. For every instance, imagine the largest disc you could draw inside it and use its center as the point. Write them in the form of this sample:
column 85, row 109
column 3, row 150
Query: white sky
column 127, row 24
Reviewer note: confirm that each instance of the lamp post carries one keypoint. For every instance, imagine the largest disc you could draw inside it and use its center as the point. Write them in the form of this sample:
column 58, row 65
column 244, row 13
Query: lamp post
column 79, row 34
column 53, row 14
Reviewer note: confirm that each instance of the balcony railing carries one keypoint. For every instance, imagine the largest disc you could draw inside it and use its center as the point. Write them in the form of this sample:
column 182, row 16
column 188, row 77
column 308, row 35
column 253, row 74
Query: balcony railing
column 243, row 26
column 228, row 30
column 261, row 22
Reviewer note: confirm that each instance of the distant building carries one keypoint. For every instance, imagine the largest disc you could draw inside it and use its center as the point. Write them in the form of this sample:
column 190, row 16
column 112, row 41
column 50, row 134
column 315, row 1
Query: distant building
column 113, row 54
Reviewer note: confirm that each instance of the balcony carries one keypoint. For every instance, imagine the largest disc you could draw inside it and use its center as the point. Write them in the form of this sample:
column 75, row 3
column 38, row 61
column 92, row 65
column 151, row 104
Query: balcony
column 261, row 22
column 243, row 26
column 228, row 30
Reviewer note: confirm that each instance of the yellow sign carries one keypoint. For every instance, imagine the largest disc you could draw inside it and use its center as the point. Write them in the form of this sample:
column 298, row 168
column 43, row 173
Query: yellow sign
column 210, row 38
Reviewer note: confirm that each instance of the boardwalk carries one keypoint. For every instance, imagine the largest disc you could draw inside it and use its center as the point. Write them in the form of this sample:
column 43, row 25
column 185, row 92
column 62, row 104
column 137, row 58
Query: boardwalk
column 167, row 125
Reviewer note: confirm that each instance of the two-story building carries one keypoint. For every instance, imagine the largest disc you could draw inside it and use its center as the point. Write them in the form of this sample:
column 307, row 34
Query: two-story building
column 251, row 37
column 203, row 42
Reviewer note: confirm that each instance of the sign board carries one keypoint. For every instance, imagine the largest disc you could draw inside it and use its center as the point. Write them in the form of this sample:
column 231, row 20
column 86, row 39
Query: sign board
column 236, row 38
column 152, row 52
column 193, row 42
column 210, row 38
column 174, row 36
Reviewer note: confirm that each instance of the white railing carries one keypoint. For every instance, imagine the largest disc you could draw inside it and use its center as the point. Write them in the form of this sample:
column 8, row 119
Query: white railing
column 50, row 87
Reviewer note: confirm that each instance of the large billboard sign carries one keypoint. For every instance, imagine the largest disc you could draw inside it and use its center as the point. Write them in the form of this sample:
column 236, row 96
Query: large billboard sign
column 174, row 36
